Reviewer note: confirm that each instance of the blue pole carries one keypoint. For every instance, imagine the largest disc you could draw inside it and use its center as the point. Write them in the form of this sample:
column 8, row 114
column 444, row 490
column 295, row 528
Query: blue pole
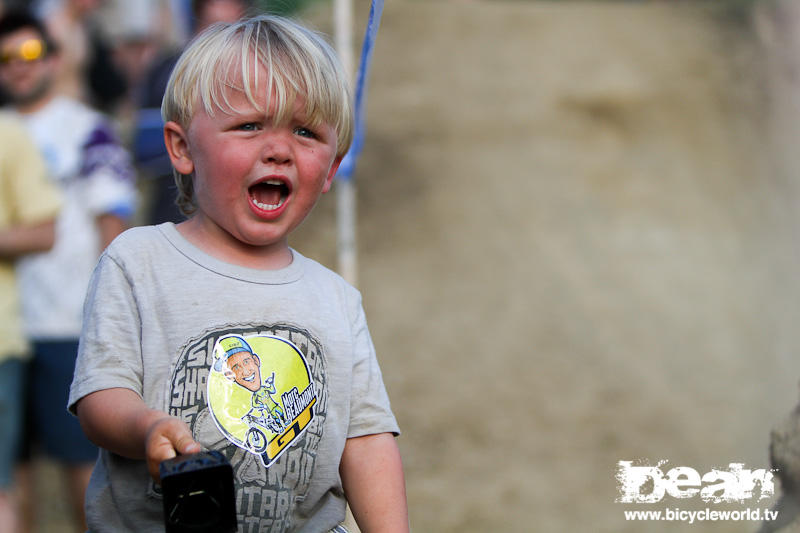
column 347, row 167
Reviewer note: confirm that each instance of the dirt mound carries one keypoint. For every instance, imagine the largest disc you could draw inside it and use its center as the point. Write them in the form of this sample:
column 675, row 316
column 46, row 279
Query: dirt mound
column 578, row 246
column 575, row 249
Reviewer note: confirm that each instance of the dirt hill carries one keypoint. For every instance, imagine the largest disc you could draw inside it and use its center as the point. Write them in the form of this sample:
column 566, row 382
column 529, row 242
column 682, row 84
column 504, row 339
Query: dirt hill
column 577, row 245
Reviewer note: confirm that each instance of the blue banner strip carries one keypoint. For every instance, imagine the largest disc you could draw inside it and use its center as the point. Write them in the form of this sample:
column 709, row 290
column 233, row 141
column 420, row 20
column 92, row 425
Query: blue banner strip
column 348, row 165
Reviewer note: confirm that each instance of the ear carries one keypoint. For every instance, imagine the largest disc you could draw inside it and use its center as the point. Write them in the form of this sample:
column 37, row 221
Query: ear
column 177, row 145
column 229, row 374
column 331, row 174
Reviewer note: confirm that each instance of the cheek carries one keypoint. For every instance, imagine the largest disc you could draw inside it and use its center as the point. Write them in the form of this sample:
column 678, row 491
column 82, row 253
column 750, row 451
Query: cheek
column 10, row 77
column 317, row 167
column 215, row 180
column 227, row 168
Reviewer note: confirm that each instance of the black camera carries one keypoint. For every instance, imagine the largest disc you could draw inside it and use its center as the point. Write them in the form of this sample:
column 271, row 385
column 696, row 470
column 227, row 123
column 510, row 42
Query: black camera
column 198, row 494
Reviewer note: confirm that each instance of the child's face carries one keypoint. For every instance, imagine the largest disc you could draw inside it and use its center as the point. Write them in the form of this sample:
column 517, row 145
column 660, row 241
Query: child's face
column 254, row 182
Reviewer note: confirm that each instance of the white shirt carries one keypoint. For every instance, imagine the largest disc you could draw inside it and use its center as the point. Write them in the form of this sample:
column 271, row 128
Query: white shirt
column 96, row 177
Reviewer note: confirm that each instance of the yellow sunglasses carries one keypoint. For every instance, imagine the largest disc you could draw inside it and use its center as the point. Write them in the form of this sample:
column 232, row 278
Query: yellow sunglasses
column 29, row 50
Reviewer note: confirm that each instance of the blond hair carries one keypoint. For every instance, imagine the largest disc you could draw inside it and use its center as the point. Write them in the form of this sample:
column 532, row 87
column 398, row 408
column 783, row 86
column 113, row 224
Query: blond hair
column 298, row 62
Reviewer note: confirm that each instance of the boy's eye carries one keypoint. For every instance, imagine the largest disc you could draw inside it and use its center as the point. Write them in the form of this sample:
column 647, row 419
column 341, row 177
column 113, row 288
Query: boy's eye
column 304, row 132
column 248, row 126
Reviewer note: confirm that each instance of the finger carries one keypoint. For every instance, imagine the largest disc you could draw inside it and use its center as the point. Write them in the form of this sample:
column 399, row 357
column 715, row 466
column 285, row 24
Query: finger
column 163, row 451
column 187, row 444
column 180, row 438
column 159, row 446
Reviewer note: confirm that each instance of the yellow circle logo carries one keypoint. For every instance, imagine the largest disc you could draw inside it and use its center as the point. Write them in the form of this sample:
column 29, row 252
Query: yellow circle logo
column 260, row 393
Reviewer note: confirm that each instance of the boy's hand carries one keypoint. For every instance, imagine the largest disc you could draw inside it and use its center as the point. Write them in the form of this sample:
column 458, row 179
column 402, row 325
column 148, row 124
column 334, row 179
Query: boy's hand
column 166, row 438
column 118, row 420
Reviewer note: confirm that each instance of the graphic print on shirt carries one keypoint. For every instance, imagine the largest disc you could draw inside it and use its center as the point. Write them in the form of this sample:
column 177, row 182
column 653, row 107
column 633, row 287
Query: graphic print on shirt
column 260, row 393
column 265, row 497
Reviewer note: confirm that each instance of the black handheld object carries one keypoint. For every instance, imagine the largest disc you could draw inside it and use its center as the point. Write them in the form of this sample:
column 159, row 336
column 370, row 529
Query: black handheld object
column 198, row 494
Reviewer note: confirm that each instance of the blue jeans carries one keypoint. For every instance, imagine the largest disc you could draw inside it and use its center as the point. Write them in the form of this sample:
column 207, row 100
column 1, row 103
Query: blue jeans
column 11, row 407
column 48, row 424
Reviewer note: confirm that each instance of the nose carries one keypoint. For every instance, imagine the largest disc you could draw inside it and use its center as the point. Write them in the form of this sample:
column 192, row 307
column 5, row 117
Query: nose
column 277, row 147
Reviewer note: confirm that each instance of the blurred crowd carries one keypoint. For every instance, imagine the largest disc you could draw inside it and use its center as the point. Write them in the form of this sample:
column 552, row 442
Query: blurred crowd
column 81, row 160
column 115, row 56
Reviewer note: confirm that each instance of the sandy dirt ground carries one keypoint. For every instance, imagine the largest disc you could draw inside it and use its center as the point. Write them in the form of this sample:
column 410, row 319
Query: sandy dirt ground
column 577, row 233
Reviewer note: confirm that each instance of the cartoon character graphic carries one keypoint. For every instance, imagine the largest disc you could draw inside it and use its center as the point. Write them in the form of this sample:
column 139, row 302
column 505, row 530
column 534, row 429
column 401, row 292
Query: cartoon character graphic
column 260, row 392
column 240, row 364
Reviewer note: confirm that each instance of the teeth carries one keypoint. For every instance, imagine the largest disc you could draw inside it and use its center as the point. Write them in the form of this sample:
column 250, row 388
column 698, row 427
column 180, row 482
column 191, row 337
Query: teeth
column 279, row 184
column 268, row 207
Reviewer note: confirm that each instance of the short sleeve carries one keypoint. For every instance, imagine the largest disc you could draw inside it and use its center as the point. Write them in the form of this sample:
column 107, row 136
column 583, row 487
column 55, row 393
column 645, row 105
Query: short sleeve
column 370, row 410
column 109, row 354
column 109, row 174
column 31, row 195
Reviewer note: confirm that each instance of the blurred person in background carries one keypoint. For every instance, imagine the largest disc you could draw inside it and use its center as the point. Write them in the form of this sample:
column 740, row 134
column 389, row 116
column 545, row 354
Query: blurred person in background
column 149, row 148
column 96, row 179
column 86, row 70
column 28, row 207
column 135, row 32
column 204, row 13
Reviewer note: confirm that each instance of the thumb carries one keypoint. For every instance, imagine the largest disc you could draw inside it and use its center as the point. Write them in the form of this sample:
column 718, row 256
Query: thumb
column 166, row 439
column 186, row 444
column 178, row 440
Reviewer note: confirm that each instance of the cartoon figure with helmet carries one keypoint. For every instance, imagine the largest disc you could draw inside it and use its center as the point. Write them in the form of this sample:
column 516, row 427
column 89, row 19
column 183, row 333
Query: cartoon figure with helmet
column 240, row 364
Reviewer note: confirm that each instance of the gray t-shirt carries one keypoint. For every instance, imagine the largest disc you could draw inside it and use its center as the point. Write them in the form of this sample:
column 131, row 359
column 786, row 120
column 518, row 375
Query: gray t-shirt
column 274, row 368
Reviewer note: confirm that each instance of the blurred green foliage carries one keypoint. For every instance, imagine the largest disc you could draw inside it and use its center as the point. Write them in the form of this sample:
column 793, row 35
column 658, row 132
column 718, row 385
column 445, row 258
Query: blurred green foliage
column 738, row 11
column 283, row 7
column 733, row 10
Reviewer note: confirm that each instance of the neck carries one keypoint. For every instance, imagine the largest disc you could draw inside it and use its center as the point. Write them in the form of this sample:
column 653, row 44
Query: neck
column 230, row 250
column 26, row 108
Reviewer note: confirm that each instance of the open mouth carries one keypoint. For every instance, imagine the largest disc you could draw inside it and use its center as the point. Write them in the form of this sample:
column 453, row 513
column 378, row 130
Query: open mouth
column 269, row 195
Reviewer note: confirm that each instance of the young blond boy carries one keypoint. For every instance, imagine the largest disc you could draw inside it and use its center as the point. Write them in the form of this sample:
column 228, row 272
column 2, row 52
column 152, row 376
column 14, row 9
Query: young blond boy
column 258, row 118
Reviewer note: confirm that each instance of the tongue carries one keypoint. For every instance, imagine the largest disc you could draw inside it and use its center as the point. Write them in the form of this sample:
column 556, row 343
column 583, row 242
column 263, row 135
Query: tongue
column 266, row 194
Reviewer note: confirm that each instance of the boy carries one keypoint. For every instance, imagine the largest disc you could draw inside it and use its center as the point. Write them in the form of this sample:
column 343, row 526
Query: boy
column 257, row 118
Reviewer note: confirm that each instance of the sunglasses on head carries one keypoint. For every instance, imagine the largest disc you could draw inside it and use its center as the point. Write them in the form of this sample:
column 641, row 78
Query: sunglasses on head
column 29, row 50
